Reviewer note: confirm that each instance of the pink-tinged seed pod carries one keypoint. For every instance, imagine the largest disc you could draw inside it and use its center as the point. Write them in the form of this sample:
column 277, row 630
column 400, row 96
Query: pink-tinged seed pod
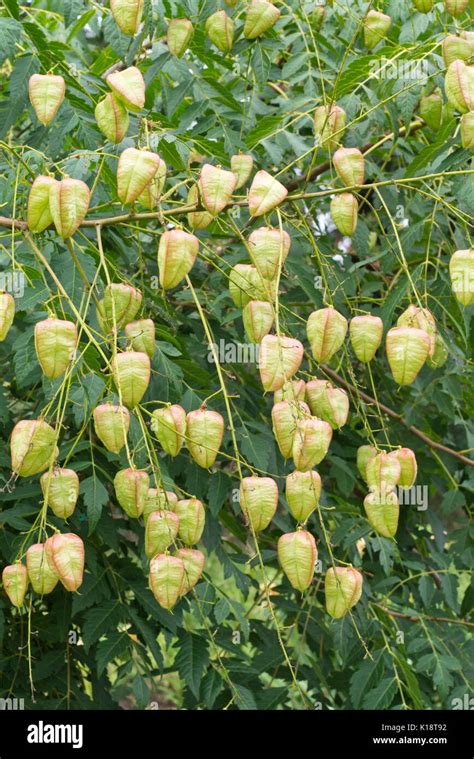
column 120, row 305
column 216, row 186
column 456, row 7
column 15, row 583
column 55, row 345
column 366, row 334
column 246, row 284
column 177, row 253
column 160, row 532
column 111, row 425
column 33, row 447
column 241, row 165
column 422, row 318
column 167, row 574
column 159, row 500
column 46, row 93
column 261, row 16
column 259, row 500
column 461, row 271
column 297, row 554
column 431, row 110
column 407, row 350
column 112, row 118
column 38, row 216
column 258, row 320
column 142, row 336
column 152, row 192
column 376, row 26
column 269, row 249
column 467, row 130
column 42, row 577
column 329, row 125
column 285, row 417
column 303, row 491
column 343, row 589
column 131, row 372
column 408, row 467
column 456, row 49
column 135, row 170
column 192, row 519
column 67, row 554
column 344, row 212
column 440, row 353
column 127, row 15
column 61, row 488
column 220, row 30
column 194, row 562
column 383, row 471
column 169, row 425
column 131, row 490
column 311, row 443
column 280, row 358
column 326, row 330
column 179, row 36
column 424, row 6
column 459, row 86
column 315, row 390
column 335, row 407
column 129, row 86
column 68, row 202
column 197, row 219
column 350, row 166
column 265, row 193
column 7, row 314
column 204, row 433
column 364, row 454
column 382, row 510
column 295, row 390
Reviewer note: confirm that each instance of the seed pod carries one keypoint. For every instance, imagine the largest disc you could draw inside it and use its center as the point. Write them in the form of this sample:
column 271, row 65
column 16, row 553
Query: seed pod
column 38, row 216
column 220, row 30
column 334, row 406
column 7, row 314
column 456, row 7
column 295, row 390
column 329, row 125
column 66, row 551
column 131, row 373
column 364, row 454
column 152, row 192
column 61, row 488
column 407, row 350
column 311, row 443
column 232, row 3
column 135, row 170
column 424, row 6
column 197, row 219
column 192, row 519
column 285, row 417
column 297, row 555
column 169, row 426
column 366, row 334
column 408, row 466
column 350, row 165
column 467, row 130
column 461, row 271
column 120, row 304
column 326, row 330
column 317, row 17
column 383, row 471
column 265, row 193
column 303, row 491
column 69, row 202
column 258, row 320
column 43, row 579
column 376, row 26
column 343, row 589
column 241, row 166
column 131, row 490
column 111, row 425
column 261, row 16
column 440, row 353
column 179, row 36
column 129, row 87
column 193, row 567
column 167, row 574
column 268, row 250
column 33, row 447
column 382, row 509
column 216, row 186
column 112, row 118
column 344, row 211
column 160, row 532
column 159, row 500
column 142, row 336
column 259, row 500
column 459, row 86
column 246, row 284
column 46, row 93
column 422, row 318
column 127, row 15
column 177, row 253
column 280, row 358
column 55, row 344
column 204, row 433
column 431, row 110
column 455, row 49
column 314, row 395
column 15, row 583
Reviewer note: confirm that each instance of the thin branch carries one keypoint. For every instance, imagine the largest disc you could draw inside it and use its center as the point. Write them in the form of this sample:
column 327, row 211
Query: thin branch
column 412, row 618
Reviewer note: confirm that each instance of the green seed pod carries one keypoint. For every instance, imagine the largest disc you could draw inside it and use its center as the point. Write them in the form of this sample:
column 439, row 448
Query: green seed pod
column 241, row 166
column 7, row 314
column 344, row 212
column 179, row 36
column 334, row 406
column 192, row 519
column 467, row 130
column 120, row 304
column 297, row 555
column 135, row 170
column 459, row 86
column 197, row 219
column 261, row 16
column 280, row 358
column 376, row 26
column 46, row 95
column 220, row 30
column 455, row 49
column 177, row 253
column 315, row 390
column 204, row 433
column 408, row 467
column 407, row 350
column 424, row 6
column 193, row 567
column 461, row 271
column 112, row 118
column 431, row 110
column 232, row 3
column 131, row 490
column 43, row 579
column 365, row 333
column 15, row 583
column 343, row 589
column 285, row 417
column 246, row 284
column 66, row 552
column 317, row 17
column 167, row 575
column 61, row 488
column 265, row 193
column 440, row 353
column 169, row 426
column 364, row 454
column 129, row 87
column 258, row 320
column 33, row 447
column 131, row 372
column 69, row 202
column 383, row 471
column 152, row 192
column 311, row 443
column 259, row 500
column 295, row 390
column 55, row 344
column 268, row 250
column 38, row 216
column 127, row 15
column 111, row 425
column 329, row 125
column 159, row 500
column 142, row 336
column 456, row 7
column 216, row 187
column 422, row 318
column 160, row 532
column 350, row 166
column 382, row 511
column 326, row 330
column 303, row 491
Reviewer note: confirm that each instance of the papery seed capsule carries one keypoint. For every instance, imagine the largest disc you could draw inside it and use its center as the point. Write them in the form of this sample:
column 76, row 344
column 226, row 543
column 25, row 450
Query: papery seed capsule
column 467, row 130
column 119, row 306
column 365, row 333
column 160, row 532
column 38, row 215
column 179, row 36
column 111, row 424
column 129, row 86
column 280, row 358
column 311, row 443
column 131, row 372
column 177, row 253
column 127, row 15
column 329, row 125
column 459, row 86
column 67, row 554
column 350, row 165
column 193, row 561
column 364, row 454
column 46, row 93
column 335, row 407
column 152, row 192
column 326, row 330
column 461, row 271
column 169, row 426
column 376, row 26
column 131, row 490
column 192, row 519
column 167, row 574
column 197, row 219
column 55, row 345
column 7, row 314
column 408, row 466
column 135, row 170
column 456, row 49
column 424, row 6
column 422, row 318
column 285, row 417
column 112, row 118
column 15, row 583
column 68, row 202
column 469, row 36
column 258, row 320
column 315, row 390
column 261, row 16
column 159, row 500
column 246, row 284
column 344, row 212
column 317, row 17
column 33, row 447
column 142, row 336
column 265, row 193
column 259, row 500
column 456, row 7
column 216, row 187
column 383, row 471
column 295, row 390
column 61, row 488
column 232, row 3
column 382, row 510
column 407, row 350
column 204, row 433
column 297, row 555
column 220, row 29
column 303, row 490
column 42, row 577
column 343, row 589
column 269, row 249
column 431, row 110
column 241, row 166
column 440, row 353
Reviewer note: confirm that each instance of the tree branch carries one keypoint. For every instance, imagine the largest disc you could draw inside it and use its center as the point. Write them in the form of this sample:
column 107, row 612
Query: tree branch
column 411, row 618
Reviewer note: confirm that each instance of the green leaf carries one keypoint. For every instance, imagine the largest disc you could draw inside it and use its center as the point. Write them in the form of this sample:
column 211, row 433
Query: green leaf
column 192, row 660
column 95, row 498
column 107, row 650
